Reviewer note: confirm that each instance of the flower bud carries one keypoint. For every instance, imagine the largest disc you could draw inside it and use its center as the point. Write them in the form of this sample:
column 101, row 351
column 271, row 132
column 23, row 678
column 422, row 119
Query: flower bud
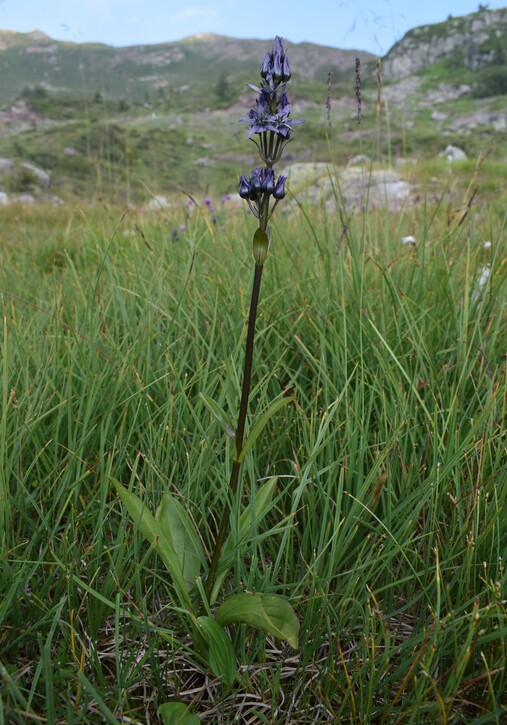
column 244, row 187
column 277, row 46
column 266, row 66
column 268, row 181
column 256, row 181
column 286, row 72
column 279, row 191
column 260, row 247
column 277, row 69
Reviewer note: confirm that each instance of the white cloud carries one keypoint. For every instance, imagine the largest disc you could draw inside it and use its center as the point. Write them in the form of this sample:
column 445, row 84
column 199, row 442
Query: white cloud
column 204, row 14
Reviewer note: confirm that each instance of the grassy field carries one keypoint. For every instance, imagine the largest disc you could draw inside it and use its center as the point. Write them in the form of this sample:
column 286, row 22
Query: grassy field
column 389, row 533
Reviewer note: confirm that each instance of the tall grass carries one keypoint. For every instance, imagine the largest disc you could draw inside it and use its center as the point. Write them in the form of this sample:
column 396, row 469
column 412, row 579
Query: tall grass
column 391, row 525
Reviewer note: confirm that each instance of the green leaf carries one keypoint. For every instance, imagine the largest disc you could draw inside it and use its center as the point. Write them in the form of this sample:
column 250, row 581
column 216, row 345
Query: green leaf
column 219, row 413
column 261, row 505
column 267, row 612
column 179, row 528
column 156, row 535
column 259, row 426
column 250, row 517
column 177, row 713
column 221, row 655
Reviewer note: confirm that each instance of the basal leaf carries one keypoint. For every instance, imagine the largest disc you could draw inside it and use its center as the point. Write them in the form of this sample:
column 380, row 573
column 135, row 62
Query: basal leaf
column 155, row 534
column 179, row 528
column 177, row 713
column 270, row 613
column 221, row 655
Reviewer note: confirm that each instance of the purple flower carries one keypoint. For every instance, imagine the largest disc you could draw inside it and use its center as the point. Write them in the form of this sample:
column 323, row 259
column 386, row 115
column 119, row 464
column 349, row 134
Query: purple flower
column 259, row 187
column 260, row 118
column 262, row 180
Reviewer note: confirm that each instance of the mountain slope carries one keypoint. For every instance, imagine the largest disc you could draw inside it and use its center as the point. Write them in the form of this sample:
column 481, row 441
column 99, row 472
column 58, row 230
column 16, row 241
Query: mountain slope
column 187, row 68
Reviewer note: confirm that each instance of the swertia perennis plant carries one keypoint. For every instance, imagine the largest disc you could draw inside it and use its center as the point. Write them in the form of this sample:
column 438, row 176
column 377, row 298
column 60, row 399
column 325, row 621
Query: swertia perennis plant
column 171, row 530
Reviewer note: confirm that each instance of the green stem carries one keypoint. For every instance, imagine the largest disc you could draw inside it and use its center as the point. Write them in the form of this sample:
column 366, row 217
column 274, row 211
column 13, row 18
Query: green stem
column 240, row 430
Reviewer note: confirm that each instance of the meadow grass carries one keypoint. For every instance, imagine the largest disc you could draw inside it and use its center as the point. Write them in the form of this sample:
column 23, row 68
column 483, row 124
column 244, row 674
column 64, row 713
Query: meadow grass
column 390, row 527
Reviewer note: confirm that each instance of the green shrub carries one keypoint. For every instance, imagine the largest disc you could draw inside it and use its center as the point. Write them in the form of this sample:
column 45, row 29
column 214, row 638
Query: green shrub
column 22, row 180
column 491, row 81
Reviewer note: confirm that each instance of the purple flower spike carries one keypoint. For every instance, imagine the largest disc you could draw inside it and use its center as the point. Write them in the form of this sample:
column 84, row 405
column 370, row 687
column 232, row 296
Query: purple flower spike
column 270, row 119
column 271, row 129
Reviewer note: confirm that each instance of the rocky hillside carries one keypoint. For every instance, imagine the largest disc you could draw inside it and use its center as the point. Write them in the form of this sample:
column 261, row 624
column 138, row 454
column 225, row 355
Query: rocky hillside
column 474, row 42
column 201, row 69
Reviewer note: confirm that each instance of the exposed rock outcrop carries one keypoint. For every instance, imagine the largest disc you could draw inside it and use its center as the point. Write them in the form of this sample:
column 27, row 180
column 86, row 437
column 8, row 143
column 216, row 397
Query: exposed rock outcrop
column 24, row 183
column 475, row 40
column 358, row 186
column 452, row 153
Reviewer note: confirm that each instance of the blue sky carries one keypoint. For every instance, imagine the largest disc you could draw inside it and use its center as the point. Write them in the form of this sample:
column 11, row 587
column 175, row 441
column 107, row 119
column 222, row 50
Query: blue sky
column 358, row 24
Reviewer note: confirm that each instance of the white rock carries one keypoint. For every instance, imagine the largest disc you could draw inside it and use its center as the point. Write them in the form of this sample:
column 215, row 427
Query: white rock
column 303, row 173
column 358, row 160
column 6, row 165
column 359, row 186
column 43, row 177
column 452, row 153
column 158, row 202
column 25, row 199
column 499, row 122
